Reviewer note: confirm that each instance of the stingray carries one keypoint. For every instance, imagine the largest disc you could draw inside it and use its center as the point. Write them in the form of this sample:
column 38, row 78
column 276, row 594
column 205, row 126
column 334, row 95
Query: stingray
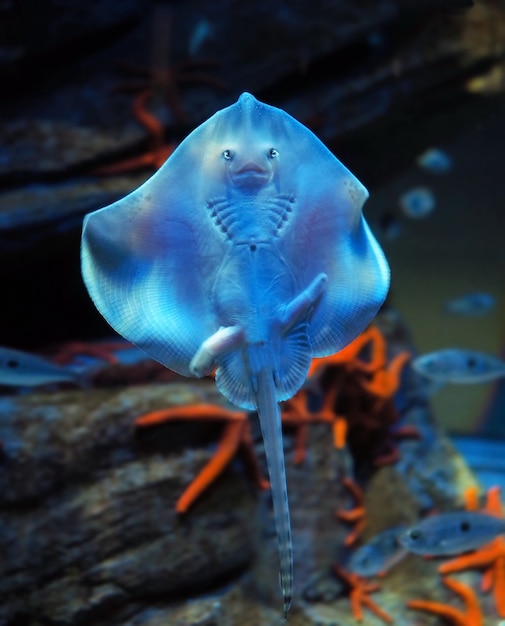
column 246, row 254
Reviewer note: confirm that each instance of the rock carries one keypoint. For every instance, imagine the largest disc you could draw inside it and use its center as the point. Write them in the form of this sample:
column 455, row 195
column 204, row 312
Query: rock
column 51, row 440
column 26, row 209
column 88, row 519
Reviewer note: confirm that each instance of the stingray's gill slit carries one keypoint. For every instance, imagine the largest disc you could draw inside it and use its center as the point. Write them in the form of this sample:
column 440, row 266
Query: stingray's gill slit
column 246, row 252
column 234, row 220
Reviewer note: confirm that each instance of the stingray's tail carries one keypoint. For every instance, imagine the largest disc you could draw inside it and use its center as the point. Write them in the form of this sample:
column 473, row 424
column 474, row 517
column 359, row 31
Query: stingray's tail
column 270, row 420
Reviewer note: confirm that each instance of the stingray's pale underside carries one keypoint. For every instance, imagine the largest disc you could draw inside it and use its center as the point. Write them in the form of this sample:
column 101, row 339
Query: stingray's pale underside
column 246, row 252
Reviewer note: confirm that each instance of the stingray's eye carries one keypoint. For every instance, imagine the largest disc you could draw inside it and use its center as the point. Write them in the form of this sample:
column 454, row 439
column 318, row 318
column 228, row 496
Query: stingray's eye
column 273, row 153
column 227, row 154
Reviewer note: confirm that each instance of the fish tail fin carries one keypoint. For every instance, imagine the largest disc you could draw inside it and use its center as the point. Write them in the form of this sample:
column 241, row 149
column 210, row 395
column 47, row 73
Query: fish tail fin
column 270, row 421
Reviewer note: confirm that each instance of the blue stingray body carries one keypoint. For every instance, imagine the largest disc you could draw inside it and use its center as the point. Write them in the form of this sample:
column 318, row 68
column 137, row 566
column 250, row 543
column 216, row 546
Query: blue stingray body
column 246, row 252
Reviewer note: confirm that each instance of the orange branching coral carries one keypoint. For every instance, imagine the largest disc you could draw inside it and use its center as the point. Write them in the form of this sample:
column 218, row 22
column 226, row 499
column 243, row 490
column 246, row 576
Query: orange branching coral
column 356, row 389
column 295, row 412
column 355, row 515
column 472, row 615
column 170, row 77
column 490, row 558
column 104, row 351
column 359, row 590
column 158, row 150
column 162, row 77
column 237, row 434
column 351, row 356
column 165, row 75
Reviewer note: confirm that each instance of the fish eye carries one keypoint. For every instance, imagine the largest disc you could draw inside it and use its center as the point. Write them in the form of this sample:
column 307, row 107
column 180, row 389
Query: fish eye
column 471, row 362
column 12, row 364
column 227, row 154
column 465, row 526
column 415, row 534
column 273, row 153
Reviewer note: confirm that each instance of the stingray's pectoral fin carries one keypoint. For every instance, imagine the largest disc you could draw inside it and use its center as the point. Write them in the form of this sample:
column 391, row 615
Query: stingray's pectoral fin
column 226, row 339
column 300, row 306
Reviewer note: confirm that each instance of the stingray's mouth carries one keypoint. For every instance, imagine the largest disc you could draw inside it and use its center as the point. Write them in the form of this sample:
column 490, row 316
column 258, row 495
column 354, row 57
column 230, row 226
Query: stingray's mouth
column 250, row 174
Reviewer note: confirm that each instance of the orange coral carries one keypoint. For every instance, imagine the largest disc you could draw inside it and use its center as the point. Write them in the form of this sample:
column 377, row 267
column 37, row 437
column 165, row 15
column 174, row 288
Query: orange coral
column 163, row 77
column 472, row 615
column 355, row 515
column 158, row 150
column 237, row 434
column 359, row 590
column 356, row 389
column 67, row 352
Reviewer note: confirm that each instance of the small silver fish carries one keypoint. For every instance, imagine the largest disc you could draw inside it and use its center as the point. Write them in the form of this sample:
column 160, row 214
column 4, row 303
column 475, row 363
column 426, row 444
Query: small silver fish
column 435, row 160
column 457, row 366
column 379, row 554
column 22, row 369
column 202, row 32
column 417, row 203
column 470, row 304
column 452, row 533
